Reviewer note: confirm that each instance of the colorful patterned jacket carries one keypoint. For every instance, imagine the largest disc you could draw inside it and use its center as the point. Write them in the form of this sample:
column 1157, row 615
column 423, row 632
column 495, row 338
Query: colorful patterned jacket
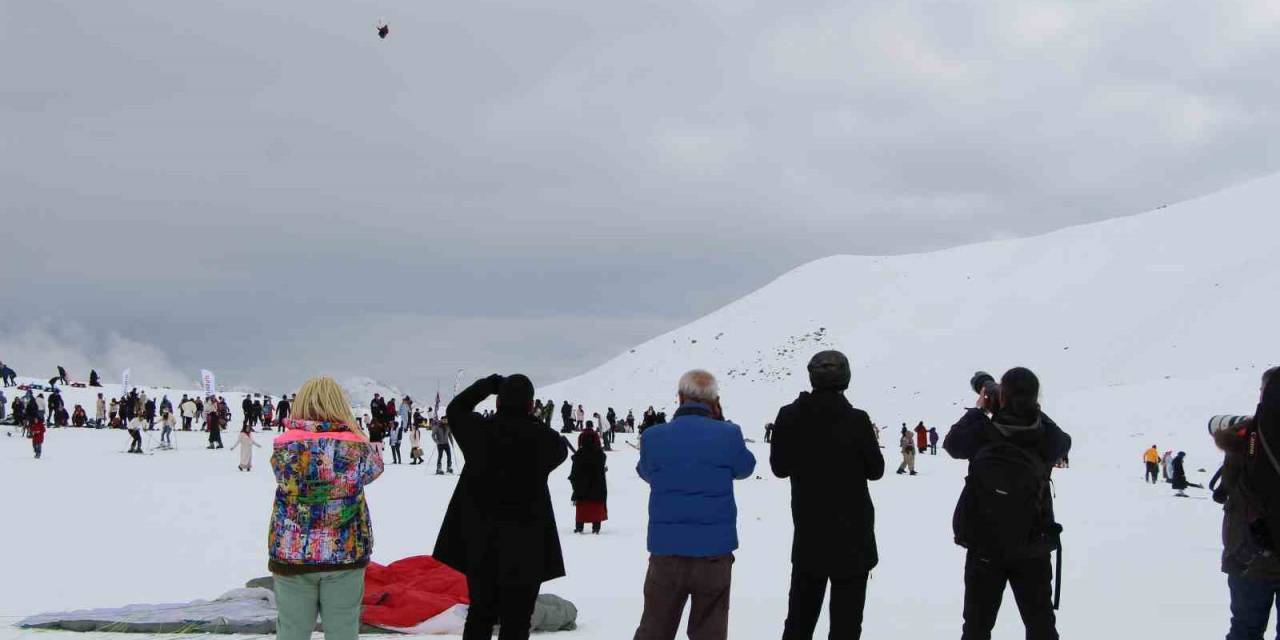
column 320, row 521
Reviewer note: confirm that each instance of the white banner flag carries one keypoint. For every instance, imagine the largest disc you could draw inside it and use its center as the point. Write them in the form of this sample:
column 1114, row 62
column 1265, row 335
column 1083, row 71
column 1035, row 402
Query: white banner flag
column 124, row 380
column 209, row 382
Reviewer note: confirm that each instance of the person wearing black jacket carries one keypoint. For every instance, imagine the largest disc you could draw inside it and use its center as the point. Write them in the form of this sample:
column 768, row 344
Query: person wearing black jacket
column 590, row 488
column 1253, row 571
column 246, row 407
column 829, row 451
column 566, row 414
column 1027, row 570
column 282, row 411
column 54, row 405
column 94, row 381
column 500, row 530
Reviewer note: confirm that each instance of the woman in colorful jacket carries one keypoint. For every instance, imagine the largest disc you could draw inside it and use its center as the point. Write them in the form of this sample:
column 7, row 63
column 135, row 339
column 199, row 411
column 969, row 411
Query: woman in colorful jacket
column 320, row 537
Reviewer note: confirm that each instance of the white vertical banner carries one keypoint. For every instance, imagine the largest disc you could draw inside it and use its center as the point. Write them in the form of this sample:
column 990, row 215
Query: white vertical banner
column 209, row 383
column 124, row 380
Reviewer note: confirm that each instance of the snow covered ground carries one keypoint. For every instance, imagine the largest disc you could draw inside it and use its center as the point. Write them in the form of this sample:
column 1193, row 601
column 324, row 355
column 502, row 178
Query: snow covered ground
column 1141, row 328
column 91, row 526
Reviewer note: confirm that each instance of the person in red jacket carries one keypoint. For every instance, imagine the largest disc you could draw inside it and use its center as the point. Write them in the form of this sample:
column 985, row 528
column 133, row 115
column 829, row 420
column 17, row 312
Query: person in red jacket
column 37, row 436
column 922, row 438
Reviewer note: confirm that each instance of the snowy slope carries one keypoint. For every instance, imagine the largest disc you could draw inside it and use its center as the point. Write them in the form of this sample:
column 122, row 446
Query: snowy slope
column 1141, row 328
column 1177, row 295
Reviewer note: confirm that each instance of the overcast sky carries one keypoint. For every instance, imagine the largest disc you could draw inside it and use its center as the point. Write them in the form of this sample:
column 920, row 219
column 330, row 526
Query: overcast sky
column 269, row 190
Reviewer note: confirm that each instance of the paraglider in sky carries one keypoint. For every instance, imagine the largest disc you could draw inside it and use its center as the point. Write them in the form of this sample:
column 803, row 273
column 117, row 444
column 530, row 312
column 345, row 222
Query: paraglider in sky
column 383, row 30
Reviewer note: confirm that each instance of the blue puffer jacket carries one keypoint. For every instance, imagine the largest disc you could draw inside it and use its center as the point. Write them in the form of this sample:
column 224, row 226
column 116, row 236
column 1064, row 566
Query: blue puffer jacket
column 690, row 464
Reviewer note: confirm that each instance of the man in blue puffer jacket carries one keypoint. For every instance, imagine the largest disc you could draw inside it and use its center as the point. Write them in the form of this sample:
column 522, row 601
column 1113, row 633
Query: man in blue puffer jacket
column 690, row 464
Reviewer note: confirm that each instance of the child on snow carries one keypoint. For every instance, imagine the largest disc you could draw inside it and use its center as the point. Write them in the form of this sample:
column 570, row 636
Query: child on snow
column 394, row 435
column 907, row 443
column 590, row 489
column 167, row 423
column 246, row 444
column 37, row 436
column 135, row 426
column 415, row 445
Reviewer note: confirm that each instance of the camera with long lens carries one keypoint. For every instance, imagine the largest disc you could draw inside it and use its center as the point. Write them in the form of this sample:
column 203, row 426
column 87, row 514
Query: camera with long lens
column 988, row 390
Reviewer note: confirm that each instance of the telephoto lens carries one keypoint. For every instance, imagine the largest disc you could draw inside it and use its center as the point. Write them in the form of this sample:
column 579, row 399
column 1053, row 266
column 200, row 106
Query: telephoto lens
column 980, row 381
column 1225, row 423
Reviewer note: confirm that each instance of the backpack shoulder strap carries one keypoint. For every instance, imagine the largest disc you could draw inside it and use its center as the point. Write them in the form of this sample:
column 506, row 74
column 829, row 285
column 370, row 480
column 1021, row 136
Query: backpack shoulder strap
column 1266, row 448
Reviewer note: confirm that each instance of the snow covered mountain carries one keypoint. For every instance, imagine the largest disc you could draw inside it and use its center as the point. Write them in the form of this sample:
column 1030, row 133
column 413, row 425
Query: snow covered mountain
column 360, row 392
column 1167, row 315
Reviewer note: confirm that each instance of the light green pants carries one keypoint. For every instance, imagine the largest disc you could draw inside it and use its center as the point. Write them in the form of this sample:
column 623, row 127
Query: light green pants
column 335, row 595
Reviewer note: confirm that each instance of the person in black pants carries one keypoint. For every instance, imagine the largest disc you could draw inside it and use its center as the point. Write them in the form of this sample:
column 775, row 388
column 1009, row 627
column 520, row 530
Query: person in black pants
column 500, row 529
column 440, row 436
column 829, row 451
column 214, row 420
column 566, row 413
column 1016, row 420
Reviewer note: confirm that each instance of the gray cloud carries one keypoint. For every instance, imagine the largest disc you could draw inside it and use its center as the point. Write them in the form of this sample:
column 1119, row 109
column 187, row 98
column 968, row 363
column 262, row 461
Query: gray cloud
column 542, row 185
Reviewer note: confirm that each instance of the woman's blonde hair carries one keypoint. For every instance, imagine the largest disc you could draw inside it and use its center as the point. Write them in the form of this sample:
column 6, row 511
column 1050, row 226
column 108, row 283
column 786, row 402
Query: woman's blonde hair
column 323, row 400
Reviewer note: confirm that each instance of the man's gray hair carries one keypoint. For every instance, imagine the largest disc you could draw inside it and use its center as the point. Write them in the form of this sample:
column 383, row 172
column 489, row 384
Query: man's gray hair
column 699, row 385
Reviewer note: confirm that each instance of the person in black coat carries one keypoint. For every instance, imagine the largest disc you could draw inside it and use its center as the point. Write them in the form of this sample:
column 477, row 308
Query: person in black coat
column 94, row 381
column 590, row 488
column 829, row 451
column 1017, row 420
column 566, row 413
column 500, row 529
column 1179, row 479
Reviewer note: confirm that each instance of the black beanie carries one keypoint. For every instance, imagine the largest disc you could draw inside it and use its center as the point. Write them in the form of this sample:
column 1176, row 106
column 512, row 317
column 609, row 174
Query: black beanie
column 516, row 394
column 829, row 371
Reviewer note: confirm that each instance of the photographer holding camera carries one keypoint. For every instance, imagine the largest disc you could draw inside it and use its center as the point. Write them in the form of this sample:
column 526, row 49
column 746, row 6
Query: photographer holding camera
column 1005, row 513
column 1248, row 553
column 500, row 529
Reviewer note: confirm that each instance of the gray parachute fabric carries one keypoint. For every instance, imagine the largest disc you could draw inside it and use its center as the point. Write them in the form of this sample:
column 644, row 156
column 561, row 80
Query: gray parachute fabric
column 553, row 613
column 252, row 611
column 247, row 611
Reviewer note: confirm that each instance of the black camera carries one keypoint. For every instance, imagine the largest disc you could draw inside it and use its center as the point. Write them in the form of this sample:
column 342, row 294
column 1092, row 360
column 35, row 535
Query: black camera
column 988, row 390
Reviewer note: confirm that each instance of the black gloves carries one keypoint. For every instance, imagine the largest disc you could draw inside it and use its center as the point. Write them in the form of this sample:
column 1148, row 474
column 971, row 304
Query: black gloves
column 494, row 383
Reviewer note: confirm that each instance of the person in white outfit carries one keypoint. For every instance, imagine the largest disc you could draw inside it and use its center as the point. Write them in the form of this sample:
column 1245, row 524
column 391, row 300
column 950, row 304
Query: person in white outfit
column 415, row 444
column 100, row 412
column 246, row 444
column 187, row 409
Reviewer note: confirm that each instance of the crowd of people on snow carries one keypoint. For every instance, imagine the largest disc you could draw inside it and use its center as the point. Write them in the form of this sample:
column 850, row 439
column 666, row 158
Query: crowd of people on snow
column 499, row 529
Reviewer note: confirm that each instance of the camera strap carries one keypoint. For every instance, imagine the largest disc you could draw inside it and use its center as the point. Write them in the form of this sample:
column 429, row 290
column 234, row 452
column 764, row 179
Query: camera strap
column 1266, row 448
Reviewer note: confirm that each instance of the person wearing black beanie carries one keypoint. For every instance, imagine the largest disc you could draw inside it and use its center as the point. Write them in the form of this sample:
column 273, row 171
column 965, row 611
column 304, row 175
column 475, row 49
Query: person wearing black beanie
column 828, row 450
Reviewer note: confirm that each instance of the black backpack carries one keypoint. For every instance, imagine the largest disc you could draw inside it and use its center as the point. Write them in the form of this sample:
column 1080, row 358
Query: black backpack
column 1005, row 511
